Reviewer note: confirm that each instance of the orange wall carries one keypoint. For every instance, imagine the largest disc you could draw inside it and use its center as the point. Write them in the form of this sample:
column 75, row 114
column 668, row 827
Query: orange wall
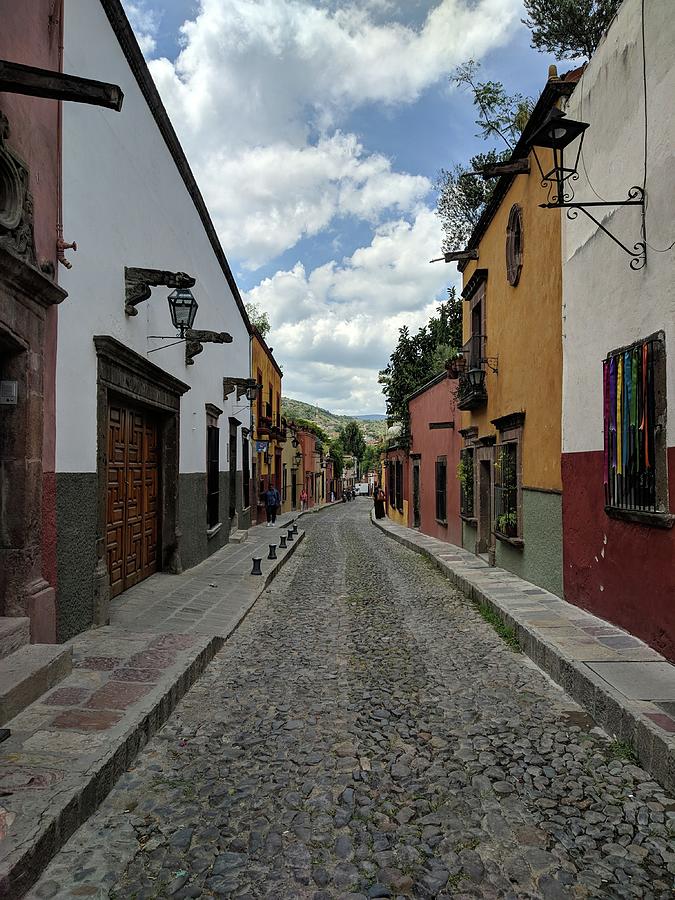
column 524, row 329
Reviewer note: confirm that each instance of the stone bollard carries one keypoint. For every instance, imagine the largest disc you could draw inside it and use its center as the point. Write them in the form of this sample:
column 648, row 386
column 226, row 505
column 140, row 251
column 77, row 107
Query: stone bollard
column 282, row 542
column 273, row 552
column 290, row 535
column 256, row 570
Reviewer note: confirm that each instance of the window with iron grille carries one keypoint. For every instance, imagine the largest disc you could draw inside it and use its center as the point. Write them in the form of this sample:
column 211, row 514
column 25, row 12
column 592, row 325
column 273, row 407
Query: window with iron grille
column 212, row 475
column 506, row 489
column 441, row 489
column 634, row 439
column 465, row 474
column 399, row 485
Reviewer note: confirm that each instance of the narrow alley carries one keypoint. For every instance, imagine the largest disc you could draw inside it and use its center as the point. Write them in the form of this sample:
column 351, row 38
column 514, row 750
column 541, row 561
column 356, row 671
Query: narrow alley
column 365, row 733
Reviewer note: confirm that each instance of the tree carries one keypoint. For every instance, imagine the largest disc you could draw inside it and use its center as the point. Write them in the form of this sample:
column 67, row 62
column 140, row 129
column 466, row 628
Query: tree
column 462, row 197
column 569, row 28
column 370, row 458
column 336, row 454
column 352, row 440
column 418, row 358
column 259, row 319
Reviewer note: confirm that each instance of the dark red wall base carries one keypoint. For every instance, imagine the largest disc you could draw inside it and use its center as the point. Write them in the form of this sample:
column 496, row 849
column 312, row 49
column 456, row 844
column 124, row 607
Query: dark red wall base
column 620, row 571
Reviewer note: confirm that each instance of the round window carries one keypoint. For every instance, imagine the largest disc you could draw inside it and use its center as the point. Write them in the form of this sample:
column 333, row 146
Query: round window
column 514, row 245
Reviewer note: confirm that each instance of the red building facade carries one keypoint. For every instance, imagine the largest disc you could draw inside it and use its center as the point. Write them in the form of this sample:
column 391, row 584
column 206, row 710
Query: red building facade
column 29, row 223
column 435, row 446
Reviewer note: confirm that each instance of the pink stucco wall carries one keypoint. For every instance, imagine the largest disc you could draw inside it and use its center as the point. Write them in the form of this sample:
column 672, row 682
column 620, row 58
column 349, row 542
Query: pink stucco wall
column 434, row 406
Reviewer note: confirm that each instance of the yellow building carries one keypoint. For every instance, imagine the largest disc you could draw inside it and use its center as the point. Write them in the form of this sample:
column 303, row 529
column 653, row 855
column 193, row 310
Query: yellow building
column 511, row 386
column 269, row 432
column 292, row 472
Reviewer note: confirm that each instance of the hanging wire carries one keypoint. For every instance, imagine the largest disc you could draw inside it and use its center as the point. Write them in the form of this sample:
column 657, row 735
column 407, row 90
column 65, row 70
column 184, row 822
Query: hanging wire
column 646, row 146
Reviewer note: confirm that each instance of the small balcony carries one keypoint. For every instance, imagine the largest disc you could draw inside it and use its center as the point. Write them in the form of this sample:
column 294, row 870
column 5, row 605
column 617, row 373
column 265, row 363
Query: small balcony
column 472, row 392
column 264, row 425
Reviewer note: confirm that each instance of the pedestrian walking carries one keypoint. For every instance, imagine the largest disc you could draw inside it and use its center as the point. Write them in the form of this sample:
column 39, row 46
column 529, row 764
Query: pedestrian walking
column 271, row 504
column 303, row 500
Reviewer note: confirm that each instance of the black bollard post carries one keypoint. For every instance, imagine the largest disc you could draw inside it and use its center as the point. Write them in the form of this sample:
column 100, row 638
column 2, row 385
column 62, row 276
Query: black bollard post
column 290, row 535
column 295, row 530
column 256, row 570
column 282, row 542
column 273, row 552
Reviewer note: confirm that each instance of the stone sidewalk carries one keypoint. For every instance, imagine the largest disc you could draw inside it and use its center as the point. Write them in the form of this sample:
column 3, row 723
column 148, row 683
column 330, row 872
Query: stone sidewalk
column 68, row 748
column 625, row 685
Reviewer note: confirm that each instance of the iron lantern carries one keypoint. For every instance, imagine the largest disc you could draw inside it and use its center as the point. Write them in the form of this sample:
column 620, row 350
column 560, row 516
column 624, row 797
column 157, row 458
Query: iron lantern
column 298, row 459
column 556, row 133
column 251, row 389
column 475, row 378
column 183, row 308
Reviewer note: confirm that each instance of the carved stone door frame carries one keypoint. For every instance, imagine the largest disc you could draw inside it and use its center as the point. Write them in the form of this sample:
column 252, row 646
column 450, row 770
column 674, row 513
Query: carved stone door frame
column 126, row 375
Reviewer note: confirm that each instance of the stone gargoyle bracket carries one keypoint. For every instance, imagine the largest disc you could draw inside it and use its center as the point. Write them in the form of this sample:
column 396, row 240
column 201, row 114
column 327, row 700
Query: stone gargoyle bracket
column 240, row 384
column 195, row 340
column 137, row 284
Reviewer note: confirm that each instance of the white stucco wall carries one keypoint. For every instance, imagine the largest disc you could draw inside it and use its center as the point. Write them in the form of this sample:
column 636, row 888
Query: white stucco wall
column 605, row 304
column 125, row 203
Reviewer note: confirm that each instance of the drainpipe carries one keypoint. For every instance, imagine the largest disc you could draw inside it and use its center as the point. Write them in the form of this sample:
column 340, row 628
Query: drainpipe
column 61, row 245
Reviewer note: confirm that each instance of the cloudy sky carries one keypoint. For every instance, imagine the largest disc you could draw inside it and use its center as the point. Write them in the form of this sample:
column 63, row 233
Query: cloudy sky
column 316, row 129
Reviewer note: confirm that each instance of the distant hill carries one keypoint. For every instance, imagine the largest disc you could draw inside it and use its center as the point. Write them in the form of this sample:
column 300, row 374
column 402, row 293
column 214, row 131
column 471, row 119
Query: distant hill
column 373, row 426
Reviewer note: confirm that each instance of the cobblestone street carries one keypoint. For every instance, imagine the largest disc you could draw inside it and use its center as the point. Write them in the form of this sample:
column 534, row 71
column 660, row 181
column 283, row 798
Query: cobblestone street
column 366, row 734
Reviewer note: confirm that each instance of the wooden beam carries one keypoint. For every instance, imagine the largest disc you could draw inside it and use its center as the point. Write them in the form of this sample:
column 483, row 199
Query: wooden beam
column 456, row 256
column 517, row 167
column 19, row 79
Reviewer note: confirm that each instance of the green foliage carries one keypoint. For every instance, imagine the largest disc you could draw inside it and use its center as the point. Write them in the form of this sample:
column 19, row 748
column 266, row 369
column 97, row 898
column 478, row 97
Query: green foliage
column 351, row 439
column 505, row 632
column 331, row 423
column 418, row 357
column 371, row 458
column 501, row 116
column 259, row 319
column 569, row 28
column 336, row 454
column 306, row 425
column 462, row 198
column 622, row 750
column 506, row 522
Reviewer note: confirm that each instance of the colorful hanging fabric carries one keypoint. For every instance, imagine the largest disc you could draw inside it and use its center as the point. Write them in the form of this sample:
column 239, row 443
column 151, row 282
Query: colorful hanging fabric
column 619, row 410
column 612, row 410
column 625, row 413
column 644, row 424
column 605, row 398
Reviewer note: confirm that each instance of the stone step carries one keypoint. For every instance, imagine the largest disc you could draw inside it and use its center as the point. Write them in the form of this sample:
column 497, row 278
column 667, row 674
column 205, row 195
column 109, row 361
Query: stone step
column 14, row 633
column 238, row 536
column 28, row 673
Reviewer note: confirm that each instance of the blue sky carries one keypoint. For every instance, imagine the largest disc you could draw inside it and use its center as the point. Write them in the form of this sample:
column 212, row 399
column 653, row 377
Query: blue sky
column 316, row 129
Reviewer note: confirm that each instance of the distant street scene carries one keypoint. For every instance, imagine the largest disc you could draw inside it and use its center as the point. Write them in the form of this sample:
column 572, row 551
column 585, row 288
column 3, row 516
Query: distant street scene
column 337, row 449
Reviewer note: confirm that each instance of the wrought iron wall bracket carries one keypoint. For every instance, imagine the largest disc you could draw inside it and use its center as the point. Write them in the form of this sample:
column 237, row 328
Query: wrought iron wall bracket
column 195, row 340
column 492, row 362
column 636, row 197
column 138, row 282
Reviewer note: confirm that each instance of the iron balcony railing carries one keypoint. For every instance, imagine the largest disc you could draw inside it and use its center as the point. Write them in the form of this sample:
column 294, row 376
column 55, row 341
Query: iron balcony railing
column 471, row 390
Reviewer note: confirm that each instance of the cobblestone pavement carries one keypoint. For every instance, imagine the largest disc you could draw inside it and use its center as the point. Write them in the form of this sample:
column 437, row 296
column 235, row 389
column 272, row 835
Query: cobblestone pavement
column 366, row 734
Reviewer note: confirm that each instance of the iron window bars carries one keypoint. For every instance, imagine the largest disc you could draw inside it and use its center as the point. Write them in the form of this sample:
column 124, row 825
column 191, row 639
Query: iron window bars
column 466, row 482
column 441, row 489
column 506, row 489
column 631, row 424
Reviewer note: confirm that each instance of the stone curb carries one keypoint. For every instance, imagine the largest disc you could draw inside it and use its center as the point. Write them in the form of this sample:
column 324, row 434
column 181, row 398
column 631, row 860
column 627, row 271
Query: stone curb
column 78, row 804
column 619, row 716
column 24, row 865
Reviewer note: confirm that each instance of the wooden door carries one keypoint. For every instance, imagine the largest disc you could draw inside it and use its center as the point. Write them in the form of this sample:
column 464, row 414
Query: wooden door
column 133, row 496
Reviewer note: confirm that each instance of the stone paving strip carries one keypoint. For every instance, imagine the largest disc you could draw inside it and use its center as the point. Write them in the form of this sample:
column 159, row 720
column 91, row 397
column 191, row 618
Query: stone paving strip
column 364, row 734
column 625, row 685
column 68, row 748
